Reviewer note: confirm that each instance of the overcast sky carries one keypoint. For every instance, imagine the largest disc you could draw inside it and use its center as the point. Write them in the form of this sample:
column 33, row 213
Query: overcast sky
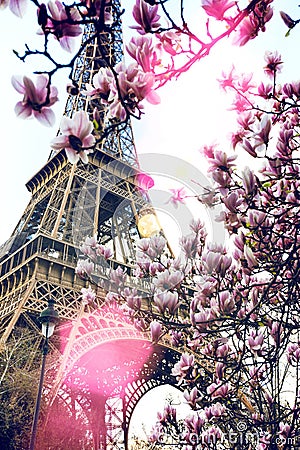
column 192, row 111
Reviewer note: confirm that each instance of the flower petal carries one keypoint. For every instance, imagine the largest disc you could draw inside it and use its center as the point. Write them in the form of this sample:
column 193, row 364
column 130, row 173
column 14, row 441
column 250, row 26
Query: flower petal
column 4, row 4
column 66, row 126
column 84, row 157
column 30, row 90
column 72, row 156
column 88, row 141
column 153, row 98
column 67, row 43
column 46, row 116
column 18, row 7
column 18, row 84
column 82, row 125
column 59, row 142
column 23, row 111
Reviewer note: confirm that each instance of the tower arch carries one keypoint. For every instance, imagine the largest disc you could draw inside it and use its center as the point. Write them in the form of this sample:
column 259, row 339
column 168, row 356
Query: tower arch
column 108, row 368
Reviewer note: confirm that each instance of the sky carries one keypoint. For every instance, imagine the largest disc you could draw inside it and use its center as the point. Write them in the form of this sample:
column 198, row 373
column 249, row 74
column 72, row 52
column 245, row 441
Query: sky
column 193, row 112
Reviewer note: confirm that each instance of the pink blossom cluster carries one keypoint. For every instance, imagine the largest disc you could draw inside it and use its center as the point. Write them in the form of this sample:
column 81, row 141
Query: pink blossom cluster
column 122, row 90
column 37, row 98
column 75, row 137
column 161, row 50
column 254, row 22
column 62, row 22
column 237, row 305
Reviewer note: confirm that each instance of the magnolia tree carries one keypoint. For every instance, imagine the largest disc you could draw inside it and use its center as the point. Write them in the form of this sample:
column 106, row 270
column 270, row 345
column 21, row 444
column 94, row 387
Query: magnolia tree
column 235, row 308
column 231, row 311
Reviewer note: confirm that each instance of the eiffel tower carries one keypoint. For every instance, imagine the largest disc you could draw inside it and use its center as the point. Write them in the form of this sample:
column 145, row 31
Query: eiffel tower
column 69, row 202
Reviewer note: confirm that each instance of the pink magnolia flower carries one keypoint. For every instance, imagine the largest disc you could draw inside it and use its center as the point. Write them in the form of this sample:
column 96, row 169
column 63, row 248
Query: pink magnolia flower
column 237, row 138
column 166, row 301
column 93, row 8
column 88, row 248
column 273, row 60
column 198, row 227
column 220, row 368
column 265, row 90
column 247, row 30
column 155, row 330
column 245, row 83
column 133, row 300
column 293, row 353
column 140, row 324
column 190, row 245
column 246, row 145
column 146, row 17
column 233, row 201
column 168, row 280
column 240, row 104
column 222, row 351
column 101, row 86
column 289, row 22
column 118, row 276
column 88, row 295
column 285, row 430
column 256, row 374
column 170, row 42
column 202, row 319
column 248, row 180
column 84, row 268
column 217, row 8
column 176, row 338
column 168, row 415
column 208, row 150
column 250, row 258
column 228, row 80
column 192, row 397
column 106, row 252
column 256, row 341
column 221, row 161
column 215, row 410
column 18, row 7
column 143, row 244
column 143, row 87
column 134, row 85
column 262, row 136
column 141, row 49
column 250, row 26
column 184, row 367
column 35, row 102
column 219, row 389
column 76, row 137
column 215, row 260
column 194, row 423
column 224, row 304
column 178, row 196
column 246, row 120
column 61, row 24
column 157, row 245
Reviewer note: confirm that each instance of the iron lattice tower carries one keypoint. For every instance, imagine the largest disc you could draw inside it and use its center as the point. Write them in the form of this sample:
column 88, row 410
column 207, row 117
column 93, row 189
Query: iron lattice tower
column 68, row 203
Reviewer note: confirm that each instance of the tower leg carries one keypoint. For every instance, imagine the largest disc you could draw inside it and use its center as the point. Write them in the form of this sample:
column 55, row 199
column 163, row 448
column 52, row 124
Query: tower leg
column 99, row 423
column 16, row 315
